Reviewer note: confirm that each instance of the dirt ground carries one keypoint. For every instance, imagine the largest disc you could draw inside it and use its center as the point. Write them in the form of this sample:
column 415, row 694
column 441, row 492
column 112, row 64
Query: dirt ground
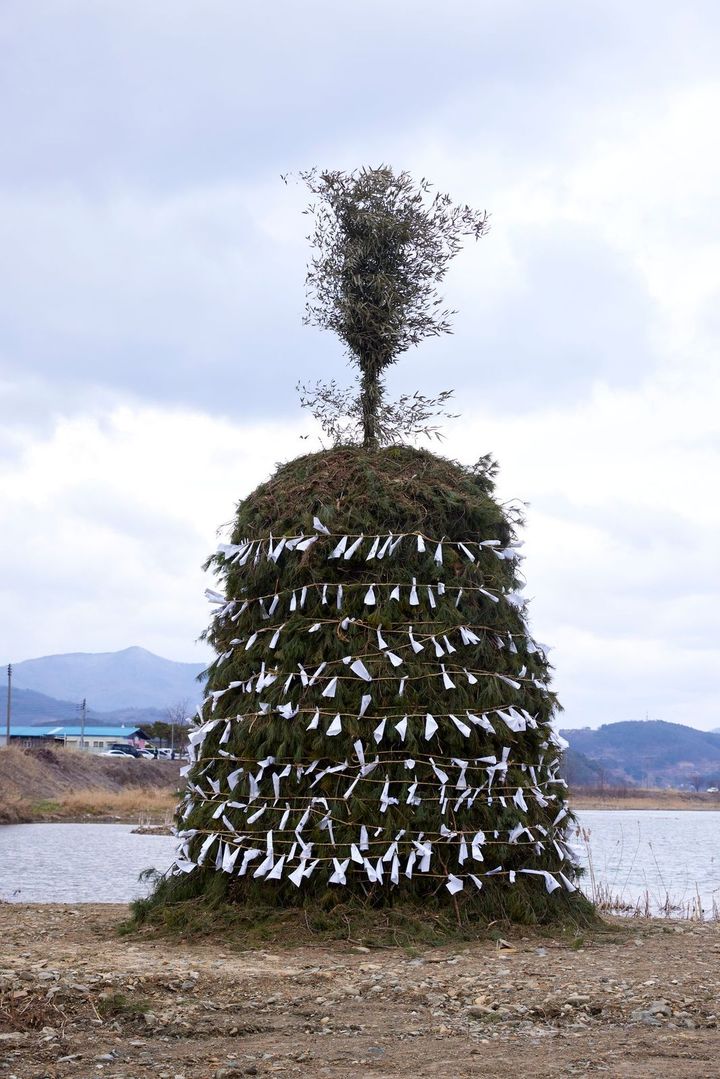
column 76, row 1000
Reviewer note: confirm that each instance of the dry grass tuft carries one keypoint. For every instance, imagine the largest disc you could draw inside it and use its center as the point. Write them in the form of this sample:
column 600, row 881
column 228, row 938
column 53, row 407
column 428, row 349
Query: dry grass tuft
column 20, row 1014
column 646, row 798
column 135, row 802
column 59, row 784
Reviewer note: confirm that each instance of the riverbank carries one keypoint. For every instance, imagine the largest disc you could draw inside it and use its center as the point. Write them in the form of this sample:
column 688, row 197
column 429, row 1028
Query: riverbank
column 628, row 798
column 67, row 785
column 62, row 784
column 635, row 998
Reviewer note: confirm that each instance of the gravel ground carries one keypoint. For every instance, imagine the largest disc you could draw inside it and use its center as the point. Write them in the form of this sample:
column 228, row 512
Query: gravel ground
column 639, row 998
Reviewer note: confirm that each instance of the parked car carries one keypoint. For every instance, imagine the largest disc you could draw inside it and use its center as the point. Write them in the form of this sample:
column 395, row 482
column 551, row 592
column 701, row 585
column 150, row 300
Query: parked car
column 123, row 747
column 117, row 753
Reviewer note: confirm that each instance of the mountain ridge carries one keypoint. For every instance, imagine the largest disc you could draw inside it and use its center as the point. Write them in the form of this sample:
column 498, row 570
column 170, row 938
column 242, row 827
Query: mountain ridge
column 650, row 752
column 130, row 678
column 33, row 709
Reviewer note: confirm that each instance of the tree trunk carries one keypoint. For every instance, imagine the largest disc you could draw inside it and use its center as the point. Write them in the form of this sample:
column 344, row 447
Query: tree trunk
column 370, row 399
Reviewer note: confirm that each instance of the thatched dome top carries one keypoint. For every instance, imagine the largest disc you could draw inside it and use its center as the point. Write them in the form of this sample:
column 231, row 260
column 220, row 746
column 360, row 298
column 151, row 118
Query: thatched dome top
column 394, row 489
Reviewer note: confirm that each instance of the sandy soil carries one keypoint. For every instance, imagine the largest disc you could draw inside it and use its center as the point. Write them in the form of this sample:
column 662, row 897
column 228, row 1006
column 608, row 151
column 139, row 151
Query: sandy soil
column 638, row 999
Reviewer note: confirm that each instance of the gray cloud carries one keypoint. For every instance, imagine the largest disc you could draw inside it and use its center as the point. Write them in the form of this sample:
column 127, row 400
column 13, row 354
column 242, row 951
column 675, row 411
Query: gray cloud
column 152, row 263
column 147, row 146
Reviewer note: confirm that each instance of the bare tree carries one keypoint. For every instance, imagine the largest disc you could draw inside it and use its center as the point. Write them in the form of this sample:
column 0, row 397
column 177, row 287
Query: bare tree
column 383, row 243
column 177, row 716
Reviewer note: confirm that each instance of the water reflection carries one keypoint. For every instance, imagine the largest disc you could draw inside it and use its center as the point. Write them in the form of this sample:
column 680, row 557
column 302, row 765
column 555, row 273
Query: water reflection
column 77, row 863
column 663, row 853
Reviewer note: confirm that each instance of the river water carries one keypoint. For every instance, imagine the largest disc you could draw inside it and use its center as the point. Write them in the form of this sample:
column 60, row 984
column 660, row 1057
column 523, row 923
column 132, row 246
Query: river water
column 653, row 853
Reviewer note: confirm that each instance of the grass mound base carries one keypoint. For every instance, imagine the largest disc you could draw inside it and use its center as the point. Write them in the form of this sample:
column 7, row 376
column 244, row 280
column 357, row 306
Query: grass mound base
column 198, row 908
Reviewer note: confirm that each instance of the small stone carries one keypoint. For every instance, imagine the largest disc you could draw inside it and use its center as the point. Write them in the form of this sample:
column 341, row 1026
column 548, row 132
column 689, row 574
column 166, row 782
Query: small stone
column 479, row 1011
column 641, row 1015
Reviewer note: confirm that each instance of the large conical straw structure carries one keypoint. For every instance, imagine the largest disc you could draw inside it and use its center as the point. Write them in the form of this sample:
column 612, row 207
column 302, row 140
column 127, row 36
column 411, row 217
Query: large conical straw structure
column 377, row 723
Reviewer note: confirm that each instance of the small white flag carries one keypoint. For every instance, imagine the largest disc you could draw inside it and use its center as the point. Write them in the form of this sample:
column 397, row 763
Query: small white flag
column 339, row 549
column 335, row 727
column 430, row 726
column 330, row 688
column 354, row 546
column 359, row 668
column 373, row 550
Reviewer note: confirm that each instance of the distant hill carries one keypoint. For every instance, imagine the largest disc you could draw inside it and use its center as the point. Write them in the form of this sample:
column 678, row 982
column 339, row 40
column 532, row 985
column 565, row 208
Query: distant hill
column 37, row 709
column 580, row 771
column 132, row 678
column 650, row 752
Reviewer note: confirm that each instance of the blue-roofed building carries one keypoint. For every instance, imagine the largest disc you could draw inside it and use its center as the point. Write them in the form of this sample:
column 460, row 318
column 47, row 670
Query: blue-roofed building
column 95, row 739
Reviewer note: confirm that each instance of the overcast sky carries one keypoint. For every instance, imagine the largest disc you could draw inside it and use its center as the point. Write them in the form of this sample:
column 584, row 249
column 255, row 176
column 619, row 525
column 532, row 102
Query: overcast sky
column 151, row 294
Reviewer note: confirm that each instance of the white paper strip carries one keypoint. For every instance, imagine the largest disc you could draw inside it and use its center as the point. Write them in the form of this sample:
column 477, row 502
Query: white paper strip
column 430, row 726
column 354, row 546
column 359, row 668
column 374, row 549
column 335, row 727
column 330, row 688
column 339, row 549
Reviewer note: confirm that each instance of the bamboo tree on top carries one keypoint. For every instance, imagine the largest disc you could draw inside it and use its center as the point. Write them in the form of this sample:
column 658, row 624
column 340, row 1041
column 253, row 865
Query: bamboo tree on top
column 383, row 244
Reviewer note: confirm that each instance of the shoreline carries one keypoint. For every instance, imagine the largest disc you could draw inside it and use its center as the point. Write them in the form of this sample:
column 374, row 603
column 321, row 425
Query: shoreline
column 647, row 799
column 158, row 817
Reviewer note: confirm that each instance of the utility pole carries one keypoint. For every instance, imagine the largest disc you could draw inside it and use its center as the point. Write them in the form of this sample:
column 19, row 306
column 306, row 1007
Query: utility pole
column 9, row 705
column 82, row 723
